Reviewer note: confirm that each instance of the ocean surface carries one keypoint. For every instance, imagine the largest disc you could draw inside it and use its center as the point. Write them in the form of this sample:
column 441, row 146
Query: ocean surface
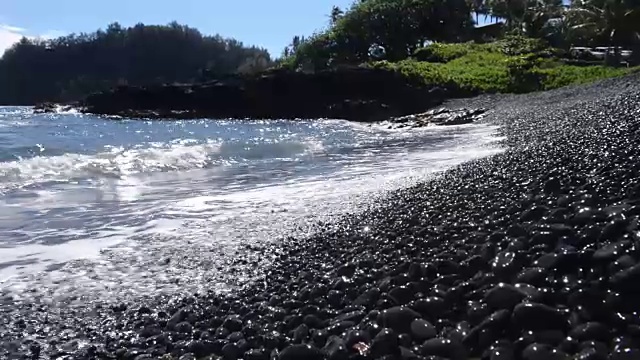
column 94, row 208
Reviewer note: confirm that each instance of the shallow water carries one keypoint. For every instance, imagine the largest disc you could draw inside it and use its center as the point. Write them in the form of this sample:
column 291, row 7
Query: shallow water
column 92, row 208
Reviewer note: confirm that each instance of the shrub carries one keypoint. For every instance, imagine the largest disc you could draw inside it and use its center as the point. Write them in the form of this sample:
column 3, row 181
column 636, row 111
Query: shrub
column 524, row 73
column 571, row 75
column 510, row 46
column 442, row 53
column 501, row 67
column 520, row 45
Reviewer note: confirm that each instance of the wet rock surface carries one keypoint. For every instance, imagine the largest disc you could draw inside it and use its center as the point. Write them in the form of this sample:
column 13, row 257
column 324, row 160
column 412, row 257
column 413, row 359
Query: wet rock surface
column 47, row 107
column 351, row 93
column 441, row 116
column 530, row 254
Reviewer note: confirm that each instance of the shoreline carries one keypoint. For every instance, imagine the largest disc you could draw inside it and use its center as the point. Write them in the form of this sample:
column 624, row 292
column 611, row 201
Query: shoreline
column 419, row 275
column 351, row 93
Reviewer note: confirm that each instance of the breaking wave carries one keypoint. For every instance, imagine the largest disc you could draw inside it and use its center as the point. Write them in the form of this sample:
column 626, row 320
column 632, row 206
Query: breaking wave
column 116, row 162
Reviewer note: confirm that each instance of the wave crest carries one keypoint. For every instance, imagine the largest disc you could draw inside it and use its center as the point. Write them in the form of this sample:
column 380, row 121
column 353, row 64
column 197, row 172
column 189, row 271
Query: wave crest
column 115, row 162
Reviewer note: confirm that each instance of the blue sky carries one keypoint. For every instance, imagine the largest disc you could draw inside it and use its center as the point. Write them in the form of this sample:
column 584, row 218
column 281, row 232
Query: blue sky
column 270, row 24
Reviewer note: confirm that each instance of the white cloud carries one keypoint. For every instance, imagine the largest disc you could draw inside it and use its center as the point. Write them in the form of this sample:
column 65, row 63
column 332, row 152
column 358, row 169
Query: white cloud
column 10, row 35
column 13, row 28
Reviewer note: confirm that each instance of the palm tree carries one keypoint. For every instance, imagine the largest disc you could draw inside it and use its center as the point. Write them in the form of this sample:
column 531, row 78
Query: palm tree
column 512, row 11
column 610, row 22
column 537, row 16
column 335, row 15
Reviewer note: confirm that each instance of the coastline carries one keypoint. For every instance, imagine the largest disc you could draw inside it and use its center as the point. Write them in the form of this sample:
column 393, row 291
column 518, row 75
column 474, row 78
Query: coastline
column 541, row 214
column 350, row 93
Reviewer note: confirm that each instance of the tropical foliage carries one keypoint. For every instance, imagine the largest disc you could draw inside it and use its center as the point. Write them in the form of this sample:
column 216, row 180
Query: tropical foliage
column 430, row 38
column 510, row 65
column 402, row 26
column 605, row 22
column 70, row 67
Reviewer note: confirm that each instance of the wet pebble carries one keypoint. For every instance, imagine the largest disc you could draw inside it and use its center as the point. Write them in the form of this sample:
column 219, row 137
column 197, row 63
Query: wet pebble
column 398, row 318
column 529, row 254
column 301, row 351
column 535, row 316
column 444, row 348
column 422, row 330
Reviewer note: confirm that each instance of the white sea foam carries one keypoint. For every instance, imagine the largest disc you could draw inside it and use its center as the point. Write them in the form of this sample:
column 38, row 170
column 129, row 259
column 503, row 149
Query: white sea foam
column 118, row 162
column 147, row 225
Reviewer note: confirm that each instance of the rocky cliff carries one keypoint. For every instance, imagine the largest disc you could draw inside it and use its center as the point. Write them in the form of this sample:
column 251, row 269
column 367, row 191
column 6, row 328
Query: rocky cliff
column 358, row 94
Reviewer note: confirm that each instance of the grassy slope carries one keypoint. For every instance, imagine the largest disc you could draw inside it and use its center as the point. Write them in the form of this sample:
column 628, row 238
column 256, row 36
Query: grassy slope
column 513, row 65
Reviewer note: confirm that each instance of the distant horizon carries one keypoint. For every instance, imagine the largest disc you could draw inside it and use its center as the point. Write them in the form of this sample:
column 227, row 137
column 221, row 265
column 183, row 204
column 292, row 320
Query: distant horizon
column 269, row 26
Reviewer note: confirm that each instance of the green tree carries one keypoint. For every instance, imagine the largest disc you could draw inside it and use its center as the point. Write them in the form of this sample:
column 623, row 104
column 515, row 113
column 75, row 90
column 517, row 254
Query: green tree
column 400, row 26
column 335, row 15
column 605, row 22
column 536, row 18
column 70, row 67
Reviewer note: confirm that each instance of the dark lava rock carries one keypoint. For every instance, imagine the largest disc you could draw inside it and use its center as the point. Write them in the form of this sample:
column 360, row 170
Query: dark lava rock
column 255, row 354
column 300, row 351
column 505, row 263
column 353, row 93
column 354, row 316
column 408, row 354
column 233, row 323
column 591, row 354
column 385, row 343
column 504, row 296
column 554, row 216
column 184, row 327
column 357, row 336
column 431, row 307
column 591, row 331
column 422, row 330
column 626, row 280
column 301, row 333
column 487, row 331
column 624, row 353
column 537, row 351
column 176, row 318
column 319, row 337
column 611, row 251
column 444, row 348
column 614, row 230
column 501, row 353
column 336, row 349
column 334, row 297
column 312, row 321
column 401, row 295
column 547, row 261
column 231, row 351
column 398, row 318
column 441, row 116
column 367, row 298
column 534, row 213
column 533, row 316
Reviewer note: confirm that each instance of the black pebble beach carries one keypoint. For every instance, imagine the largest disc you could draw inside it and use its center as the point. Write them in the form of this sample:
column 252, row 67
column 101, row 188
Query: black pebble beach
column 530, row 254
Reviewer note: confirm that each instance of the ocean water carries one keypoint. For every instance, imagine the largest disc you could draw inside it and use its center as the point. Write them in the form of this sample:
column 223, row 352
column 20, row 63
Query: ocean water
column 94, row 208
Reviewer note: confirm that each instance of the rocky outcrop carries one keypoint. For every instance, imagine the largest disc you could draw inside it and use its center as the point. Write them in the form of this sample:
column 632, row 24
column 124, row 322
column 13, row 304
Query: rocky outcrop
column 358, row 94
column 441, row 116
column 49, row 107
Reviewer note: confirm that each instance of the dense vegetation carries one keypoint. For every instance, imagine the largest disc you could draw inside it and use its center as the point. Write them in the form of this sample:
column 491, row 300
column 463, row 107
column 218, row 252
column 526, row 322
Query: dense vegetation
column 436, row 42
column 402, row 26
column 429, row 41
column 70, row 67
column 513, row 64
